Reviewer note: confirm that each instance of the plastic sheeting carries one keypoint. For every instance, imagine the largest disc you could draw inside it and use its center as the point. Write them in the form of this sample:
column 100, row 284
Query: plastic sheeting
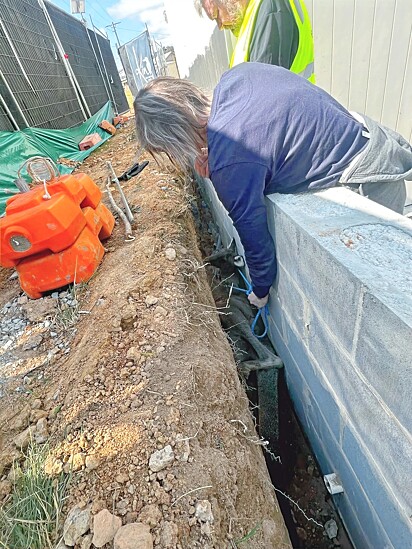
column 17, row 147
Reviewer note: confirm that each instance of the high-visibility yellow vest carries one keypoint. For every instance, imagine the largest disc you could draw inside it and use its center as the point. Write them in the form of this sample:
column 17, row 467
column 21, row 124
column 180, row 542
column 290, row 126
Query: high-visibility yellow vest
column 303, row 63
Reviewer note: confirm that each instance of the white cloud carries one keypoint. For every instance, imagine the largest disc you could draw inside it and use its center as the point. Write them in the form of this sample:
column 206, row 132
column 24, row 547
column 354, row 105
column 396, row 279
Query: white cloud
column 150, row 12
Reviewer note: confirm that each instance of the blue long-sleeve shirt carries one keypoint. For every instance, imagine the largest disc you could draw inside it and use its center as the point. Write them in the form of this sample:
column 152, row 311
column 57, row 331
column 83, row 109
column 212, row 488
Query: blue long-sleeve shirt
column 273, row 131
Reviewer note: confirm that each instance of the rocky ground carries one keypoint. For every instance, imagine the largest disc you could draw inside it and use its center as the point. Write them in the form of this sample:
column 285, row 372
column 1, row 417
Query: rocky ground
column 131, row 383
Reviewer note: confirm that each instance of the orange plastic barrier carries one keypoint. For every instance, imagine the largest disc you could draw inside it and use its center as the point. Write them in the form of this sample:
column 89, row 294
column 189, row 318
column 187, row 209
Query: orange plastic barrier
column 47, row 271
column 53, row 239
column 50, row 225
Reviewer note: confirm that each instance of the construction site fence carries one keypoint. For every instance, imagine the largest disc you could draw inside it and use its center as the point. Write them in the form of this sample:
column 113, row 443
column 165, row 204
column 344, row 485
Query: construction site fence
column 55, row 72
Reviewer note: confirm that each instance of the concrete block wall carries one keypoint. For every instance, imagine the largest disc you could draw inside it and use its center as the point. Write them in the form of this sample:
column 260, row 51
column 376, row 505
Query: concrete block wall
column 341, row 319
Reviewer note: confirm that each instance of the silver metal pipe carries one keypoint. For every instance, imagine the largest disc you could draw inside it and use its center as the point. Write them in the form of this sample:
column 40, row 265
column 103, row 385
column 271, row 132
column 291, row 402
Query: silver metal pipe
column 104, row 66
column 119, row 188
column 95, row 56
column 69, row 70
column 14, row 99
column 9, row 113
column 13, row 49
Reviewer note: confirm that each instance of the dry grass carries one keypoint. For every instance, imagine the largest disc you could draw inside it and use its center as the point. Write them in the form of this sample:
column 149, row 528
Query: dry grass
column 31, row 516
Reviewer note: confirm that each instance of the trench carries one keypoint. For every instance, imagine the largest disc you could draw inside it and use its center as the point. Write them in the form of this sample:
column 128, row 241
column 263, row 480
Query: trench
column 306, row 505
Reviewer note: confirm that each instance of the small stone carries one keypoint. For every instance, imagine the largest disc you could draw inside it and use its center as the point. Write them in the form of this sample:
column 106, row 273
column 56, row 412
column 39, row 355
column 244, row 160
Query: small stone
column 22, row 300
column 160, row 311
column 122, row 478
column 331, row 528
column 122, row 506
column 77, row 523
column 105, row 526
column 151, row 515
column 74, row 463
column 161, row 459
column 301, row 532
column 33, row 342
column 151, row 300
column 98, row 505
column 53, row 467
column 170, row 254
column 86, row 542
column 133, row 536
column 133, row 354
column 36, row 404
column 36, row 310
column 35, row 415
column 203, row 511
column 23, row 439
column 92, row 462
column 41, row 433
column 5, row 488
column 169, row 535
column 14, row 475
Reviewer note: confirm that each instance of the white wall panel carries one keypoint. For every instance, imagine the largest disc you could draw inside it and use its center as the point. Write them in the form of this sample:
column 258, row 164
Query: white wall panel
column 361, row 53
column 397, row 63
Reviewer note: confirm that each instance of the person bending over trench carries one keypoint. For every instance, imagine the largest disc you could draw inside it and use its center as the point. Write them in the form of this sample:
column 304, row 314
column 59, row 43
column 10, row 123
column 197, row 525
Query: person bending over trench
column 266, row 131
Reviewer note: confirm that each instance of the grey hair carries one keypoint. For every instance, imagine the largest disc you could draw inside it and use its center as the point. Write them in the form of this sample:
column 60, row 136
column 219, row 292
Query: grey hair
column 171, row 117
column 199, row 7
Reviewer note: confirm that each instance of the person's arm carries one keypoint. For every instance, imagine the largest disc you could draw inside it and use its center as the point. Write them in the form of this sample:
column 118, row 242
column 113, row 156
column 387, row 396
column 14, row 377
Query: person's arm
column 275, row 36
column 240, row 188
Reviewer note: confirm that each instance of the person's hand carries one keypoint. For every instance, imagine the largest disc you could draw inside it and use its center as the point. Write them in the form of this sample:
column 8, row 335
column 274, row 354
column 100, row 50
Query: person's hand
column 258, row 302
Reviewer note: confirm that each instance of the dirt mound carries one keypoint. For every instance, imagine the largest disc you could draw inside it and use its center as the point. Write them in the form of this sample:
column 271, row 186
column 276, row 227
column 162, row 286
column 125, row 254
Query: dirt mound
column 141, row 366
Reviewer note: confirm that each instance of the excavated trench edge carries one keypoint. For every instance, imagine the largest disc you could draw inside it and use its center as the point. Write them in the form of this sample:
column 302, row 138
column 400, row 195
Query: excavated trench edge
column 293, row 445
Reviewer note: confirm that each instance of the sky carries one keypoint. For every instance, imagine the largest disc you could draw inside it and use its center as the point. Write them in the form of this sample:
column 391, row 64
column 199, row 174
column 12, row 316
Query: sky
column 132, row 15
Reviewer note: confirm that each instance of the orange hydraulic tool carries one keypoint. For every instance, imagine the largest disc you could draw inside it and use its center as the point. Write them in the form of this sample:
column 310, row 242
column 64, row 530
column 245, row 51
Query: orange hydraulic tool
column 51, row 234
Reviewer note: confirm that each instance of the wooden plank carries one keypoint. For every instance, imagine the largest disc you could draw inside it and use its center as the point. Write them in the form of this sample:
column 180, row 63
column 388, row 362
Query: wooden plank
column 361, row 54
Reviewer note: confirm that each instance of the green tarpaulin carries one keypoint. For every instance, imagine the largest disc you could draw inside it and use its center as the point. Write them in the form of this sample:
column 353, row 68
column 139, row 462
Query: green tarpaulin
column 17, row 147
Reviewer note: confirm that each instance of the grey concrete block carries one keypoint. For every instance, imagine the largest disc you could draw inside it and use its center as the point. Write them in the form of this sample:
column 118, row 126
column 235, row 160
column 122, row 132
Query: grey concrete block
column 393, row 517
column 291, row 300
column 326, row 283
column 372, row 421
column 316, row 417
column 384, row 356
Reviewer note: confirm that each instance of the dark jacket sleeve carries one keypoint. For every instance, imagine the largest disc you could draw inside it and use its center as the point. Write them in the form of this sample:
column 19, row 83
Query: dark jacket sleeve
column 275, row 37
column 240, row 188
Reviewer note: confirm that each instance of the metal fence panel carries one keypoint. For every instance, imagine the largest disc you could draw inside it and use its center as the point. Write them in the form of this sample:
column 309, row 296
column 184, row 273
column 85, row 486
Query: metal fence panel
column 76, row 44
column 34, row 82
column 88, row 61
column 142, row 61
column 45, row 96
column 104, row 50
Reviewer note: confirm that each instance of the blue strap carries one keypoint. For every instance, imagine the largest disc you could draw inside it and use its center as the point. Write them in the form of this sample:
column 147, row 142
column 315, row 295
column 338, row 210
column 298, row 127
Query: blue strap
column 264, row 316
column 265, row 309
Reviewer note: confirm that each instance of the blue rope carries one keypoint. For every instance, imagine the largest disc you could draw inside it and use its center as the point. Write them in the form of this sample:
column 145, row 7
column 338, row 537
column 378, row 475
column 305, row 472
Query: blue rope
column 259, row 314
